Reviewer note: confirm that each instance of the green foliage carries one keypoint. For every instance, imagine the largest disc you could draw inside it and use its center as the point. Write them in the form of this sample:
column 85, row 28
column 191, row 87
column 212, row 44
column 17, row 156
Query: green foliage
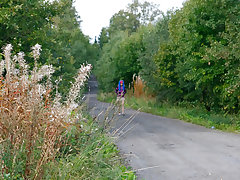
column 153, row 37
column 165, row 76
column 204, row 33
column 133, row 17
column 56, row 26
column 89, row 154
column 191, row 54
column 119, row 60
column 146, row 12
column 103, row 38
column 16, row 160
column 123, row 21
column 107, row 71
column 53, row 24
column 132, row 55
column 25, row 23
column 86, row 153
column 127, row 57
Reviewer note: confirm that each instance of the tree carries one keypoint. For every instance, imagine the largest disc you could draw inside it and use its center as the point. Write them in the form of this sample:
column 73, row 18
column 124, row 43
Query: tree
column 153, row 37
column 25, row 23
column 53, row 24
column 127, row 54
column 123, row 21
column 103, row 37
column 196, row 30
column 146, row 12
column 106, row 68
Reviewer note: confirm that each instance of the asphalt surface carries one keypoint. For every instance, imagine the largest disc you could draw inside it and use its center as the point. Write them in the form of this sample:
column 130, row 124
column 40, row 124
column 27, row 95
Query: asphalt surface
column 160, row 148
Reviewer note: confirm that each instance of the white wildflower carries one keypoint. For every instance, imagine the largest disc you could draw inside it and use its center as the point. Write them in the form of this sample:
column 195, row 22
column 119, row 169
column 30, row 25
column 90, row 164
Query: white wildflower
column 22, row 63
column 57, row 99
column 16, row 84
column 36, row 51
column 41, row 90
column 35, row 92
column 2, row 65
column 74, row 105
column 21, row 59
column 7, row 54
column 15, row 71
column 46, row 70
column 15, row 58
column 7, row 49
column 79, row 81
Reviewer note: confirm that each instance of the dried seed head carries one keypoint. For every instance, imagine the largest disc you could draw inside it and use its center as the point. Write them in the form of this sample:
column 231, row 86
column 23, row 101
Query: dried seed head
column 7, row 54
column 36, row 51
column 7, row 49
column 2, row 65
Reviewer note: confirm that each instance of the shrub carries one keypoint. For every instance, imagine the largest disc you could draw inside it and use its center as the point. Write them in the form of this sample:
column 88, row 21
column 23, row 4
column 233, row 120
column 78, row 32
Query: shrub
column 32, row 120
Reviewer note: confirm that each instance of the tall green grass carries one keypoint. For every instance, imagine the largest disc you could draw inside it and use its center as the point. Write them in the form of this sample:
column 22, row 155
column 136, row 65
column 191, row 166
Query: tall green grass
column 187, row 112
column 88, row 154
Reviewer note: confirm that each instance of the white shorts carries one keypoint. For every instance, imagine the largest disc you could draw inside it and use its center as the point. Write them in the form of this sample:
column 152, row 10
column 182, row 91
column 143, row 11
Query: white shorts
column 120, row 98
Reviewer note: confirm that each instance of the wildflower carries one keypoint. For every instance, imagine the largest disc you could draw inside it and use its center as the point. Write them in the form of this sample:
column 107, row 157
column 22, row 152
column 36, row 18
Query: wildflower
column 46, row 70
column 2, row 64
column 76, row 86
column 36, row 51
column 7, row 53
column 7, row 49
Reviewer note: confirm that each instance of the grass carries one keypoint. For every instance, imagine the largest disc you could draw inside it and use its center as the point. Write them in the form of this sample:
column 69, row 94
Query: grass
column 89, row 154
column 188, row 113
column 42, row 137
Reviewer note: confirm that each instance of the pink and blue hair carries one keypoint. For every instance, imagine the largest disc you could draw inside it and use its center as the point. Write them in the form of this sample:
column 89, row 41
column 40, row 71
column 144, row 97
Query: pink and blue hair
column 119, row 85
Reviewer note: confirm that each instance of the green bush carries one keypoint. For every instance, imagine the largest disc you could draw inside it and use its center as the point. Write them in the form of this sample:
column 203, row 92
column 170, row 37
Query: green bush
column 206, row 41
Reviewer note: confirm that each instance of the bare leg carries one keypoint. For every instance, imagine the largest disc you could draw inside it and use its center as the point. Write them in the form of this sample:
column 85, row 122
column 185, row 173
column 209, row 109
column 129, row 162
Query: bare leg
column 122, row 106
column 118, row 103
column 119, row 107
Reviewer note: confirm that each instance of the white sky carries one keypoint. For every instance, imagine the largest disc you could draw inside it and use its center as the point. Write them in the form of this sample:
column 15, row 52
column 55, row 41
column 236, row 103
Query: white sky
column 96, row 14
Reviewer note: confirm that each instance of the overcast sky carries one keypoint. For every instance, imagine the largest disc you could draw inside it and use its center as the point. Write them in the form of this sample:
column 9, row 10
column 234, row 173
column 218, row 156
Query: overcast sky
column 96, row 14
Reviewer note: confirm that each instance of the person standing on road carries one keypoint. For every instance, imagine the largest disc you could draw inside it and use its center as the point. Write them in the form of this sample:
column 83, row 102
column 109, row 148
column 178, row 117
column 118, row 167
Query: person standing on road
column 121, row 91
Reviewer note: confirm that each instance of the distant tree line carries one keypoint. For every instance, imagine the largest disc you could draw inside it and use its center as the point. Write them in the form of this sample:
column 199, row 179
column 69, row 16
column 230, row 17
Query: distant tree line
column 191, row 54
column 53, row 24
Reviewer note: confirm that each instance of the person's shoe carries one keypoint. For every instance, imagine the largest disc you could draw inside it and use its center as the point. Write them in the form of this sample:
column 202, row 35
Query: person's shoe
column 119, row 114
column 123, row 114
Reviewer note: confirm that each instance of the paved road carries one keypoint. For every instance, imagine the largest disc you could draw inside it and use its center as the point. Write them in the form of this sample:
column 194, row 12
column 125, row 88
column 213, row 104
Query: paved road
column 160, row 148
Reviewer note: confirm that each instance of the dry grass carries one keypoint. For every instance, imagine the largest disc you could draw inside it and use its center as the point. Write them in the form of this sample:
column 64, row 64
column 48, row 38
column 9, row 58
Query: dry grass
column 31, row 121
column 139, row 89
